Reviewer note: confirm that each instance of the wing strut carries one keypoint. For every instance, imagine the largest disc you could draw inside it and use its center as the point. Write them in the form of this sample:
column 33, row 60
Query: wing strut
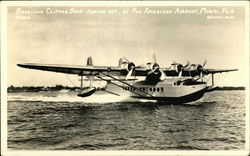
column 70, row 80
column 81, row 83
column 111, row 92
column 114, row 84
column 123, row 83
column 212, row 79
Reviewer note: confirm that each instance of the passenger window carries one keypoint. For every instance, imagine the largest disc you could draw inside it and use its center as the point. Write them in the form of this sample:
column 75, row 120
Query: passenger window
column 178, row 83
column 162, row 89
column 150, row 89
column 154, row 89
column 158, row 89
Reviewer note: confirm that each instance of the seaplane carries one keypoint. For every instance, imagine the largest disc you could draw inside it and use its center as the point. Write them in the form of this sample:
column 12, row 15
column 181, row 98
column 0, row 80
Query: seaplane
column 175, row 84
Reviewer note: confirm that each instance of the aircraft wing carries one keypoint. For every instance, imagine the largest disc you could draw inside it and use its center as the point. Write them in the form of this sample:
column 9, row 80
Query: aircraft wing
column 169, row 72
column 112, row 70
column 214, row 71
column 82, row 70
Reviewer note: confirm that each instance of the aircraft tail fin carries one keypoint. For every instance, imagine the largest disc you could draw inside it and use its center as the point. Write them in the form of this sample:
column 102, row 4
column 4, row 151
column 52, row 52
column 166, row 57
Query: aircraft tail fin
column 89, row 61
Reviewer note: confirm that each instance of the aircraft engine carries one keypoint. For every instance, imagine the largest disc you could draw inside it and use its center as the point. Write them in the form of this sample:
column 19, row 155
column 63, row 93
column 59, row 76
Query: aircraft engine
column 196, row 68
column 127, row 66
column 176, row 67
column 154, row 73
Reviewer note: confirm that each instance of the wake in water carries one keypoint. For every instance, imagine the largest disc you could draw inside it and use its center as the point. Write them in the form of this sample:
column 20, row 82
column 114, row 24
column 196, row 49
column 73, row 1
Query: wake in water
column 100, row 98
column 72, row 97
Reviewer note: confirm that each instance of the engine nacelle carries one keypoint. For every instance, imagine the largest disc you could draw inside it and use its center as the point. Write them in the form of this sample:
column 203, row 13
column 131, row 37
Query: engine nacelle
column 177, row 67
column 152, row 66
column 154, row 73
column 127, row 66
column 196, row 67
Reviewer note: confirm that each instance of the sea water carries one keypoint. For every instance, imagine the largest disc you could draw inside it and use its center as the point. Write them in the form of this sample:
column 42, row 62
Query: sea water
column 63, row 121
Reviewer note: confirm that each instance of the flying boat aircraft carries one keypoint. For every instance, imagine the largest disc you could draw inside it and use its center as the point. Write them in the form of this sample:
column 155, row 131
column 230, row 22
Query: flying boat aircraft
column 174, row 84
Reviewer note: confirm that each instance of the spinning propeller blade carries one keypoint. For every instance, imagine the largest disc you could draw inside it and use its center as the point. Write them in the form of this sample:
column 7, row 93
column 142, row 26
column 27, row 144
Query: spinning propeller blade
column 125, row 59
column 180, row 74
column 163, row 75
column 205, row 62
column 201, row 73
column 188, row 63
column 154, row 58
column 129, row 74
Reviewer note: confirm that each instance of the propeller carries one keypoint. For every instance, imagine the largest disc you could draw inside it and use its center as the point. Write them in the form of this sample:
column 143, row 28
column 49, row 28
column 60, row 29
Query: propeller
column 200, row 70
column 155, row 68
column 163, row 75
column 201, row 73
column 188, row 64
column 129, row 66
column 125, row 59
column 205, row 62
column 182, row 68
column 154, row 58
column 128, row 76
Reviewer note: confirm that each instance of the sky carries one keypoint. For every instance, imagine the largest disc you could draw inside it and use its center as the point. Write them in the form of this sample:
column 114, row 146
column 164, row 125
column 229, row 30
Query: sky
column 47, row 35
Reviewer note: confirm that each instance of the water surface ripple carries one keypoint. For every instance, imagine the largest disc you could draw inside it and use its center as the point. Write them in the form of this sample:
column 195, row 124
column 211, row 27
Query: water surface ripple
column 58, row 121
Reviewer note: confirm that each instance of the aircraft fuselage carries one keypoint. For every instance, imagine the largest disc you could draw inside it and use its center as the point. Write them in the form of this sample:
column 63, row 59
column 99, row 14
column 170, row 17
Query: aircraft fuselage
column 172, row 90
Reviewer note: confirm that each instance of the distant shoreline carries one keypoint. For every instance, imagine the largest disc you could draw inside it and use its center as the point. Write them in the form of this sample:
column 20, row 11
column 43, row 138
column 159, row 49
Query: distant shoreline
column 231, row 88
column 14, row 89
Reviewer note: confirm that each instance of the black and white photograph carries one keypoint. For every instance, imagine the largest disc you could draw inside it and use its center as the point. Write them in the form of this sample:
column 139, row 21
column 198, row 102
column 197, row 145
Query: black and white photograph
column 125, row 78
